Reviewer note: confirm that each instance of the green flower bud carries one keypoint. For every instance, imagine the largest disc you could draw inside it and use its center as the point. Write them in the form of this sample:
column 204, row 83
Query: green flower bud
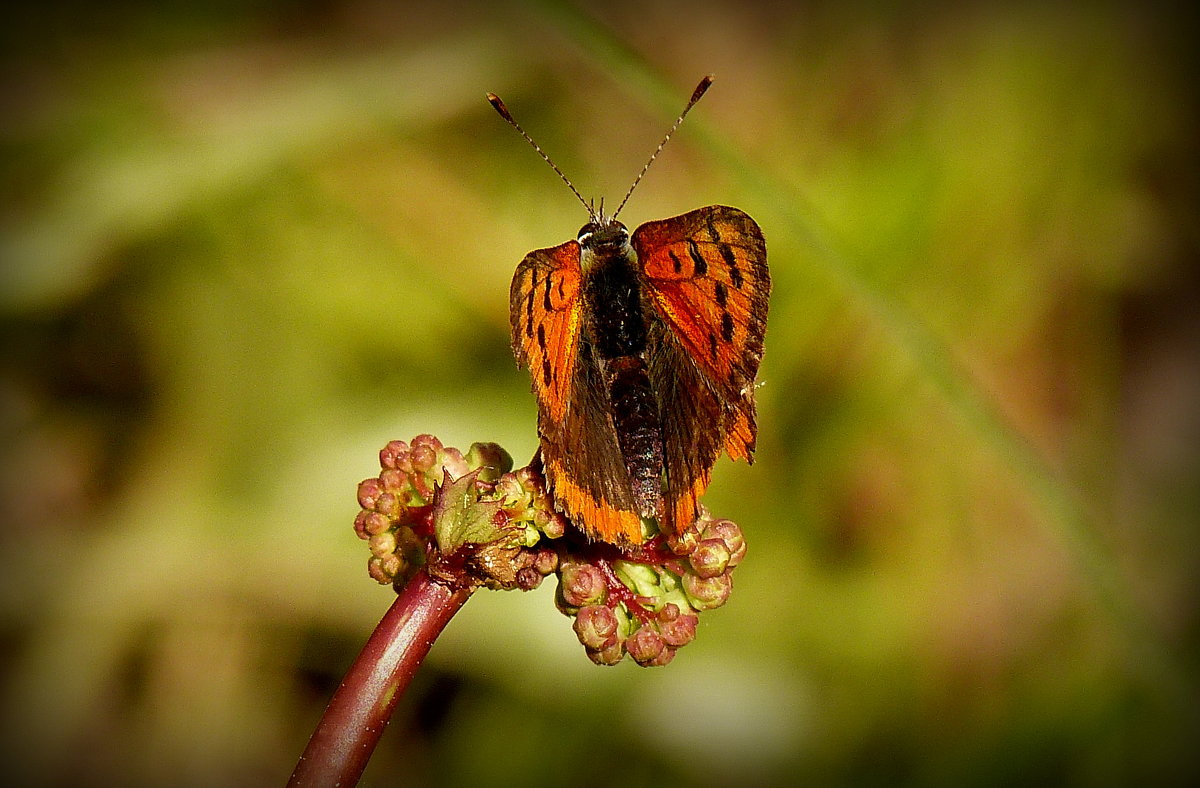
column 706, row 593
column 642, row 579
column 710, row 558
column 382, row 544
column 388, row 504
column 731, row 534
column 385, row 569
column 556, row 524
column 607, row 656
column 492, row 458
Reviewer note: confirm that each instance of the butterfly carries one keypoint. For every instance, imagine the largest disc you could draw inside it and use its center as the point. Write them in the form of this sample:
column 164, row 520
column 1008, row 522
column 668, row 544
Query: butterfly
column 643, row 349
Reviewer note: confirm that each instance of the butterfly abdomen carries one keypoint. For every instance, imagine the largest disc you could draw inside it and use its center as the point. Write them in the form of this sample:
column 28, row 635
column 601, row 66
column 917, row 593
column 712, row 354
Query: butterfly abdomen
column 618, row 335
column 638, row 426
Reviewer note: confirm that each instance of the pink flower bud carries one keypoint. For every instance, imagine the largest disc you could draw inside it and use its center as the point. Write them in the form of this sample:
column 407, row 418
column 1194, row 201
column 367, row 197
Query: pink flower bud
column 645, row 644
column 596, row 627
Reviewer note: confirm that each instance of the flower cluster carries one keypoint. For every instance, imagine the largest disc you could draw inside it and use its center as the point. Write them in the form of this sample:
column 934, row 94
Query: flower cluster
column 405, row 527
column 649, row 608
column 470, row 520
column 397, row 505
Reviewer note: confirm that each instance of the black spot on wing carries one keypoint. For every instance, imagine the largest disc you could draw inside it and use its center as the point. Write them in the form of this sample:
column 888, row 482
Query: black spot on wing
column 699, row 264
column 726, row 327
column 675, row 261
column 735, row 273
column 721, row 294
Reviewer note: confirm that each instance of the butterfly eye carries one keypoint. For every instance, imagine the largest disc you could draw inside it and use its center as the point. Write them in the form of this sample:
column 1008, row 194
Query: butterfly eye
column 586, row 232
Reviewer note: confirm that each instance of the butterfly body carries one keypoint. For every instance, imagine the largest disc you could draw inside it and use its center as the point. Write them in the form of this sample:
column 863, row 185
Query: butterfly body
column 616, row 338
column 643, row 351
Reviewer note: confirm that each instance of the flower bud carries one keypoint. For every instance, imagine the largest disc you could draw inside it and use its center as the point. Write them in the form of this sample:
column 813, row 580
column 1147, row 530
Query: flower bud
column 731, row 534
column 374, row 523
column 645, row 644
column 360, row 524
column 423, row 457
column 388, row 505
column 390, row 455
column 546, row 561
column 369, row 491
column 582, row 584
column 706, row 593
column 683, row 542
column 423, row 486
column 382, row 544
column 386, row 568
column 677, row 629
column 393, row 480
column 492, row 458
column 453, row 461
column 710, row 558
column 596, row 627
column 528, row 578
column 610, row 655
column 556, row 524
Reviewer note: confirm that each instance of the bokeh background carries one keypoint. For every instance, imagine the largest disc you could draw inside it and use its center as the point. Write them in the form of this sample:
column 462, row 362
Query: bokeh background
column 246, row 244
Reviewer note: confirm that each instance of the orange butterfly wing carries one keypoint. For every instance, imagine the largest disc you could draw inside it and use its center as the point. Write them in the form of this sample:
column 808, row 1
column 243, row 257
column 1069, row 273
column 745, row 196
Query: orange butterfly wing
column 579, row 451
column 545, row 316
column 705, row 273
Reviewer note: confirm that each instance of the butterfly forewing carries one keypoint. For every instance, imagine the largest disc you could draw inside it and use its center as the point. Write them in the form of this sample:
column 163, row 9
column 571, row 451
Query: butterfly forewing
column 544, row 314
column 707, row 275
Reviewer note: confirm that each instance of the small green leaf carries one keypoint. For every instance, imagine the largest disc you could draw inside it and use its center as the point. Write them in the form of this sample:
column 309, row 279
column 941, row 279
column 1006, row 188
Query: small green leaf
column 460, row 518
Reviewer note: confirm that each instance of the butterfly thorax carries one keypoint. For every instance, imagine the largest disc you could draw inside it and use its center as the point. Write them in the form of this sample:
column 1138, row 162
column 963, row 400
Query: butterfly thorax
column 611, row 289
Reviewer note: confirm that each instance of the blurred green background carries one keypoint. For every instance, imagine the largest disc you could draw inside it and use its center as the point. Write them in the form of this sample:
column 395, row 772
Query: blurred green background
column 246, row 244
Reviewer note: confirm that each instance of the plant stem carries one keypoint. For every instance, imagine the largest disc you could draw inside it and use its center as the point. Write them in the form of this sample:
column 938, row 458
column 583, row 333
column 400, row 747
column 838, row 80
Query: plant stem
column 359, row 711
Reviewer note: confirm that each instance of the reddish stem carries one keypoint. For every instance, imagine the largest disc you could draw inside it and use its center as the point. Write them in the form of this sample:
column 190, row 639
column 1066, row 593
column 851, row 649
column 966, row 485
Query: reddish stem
column 359, row 711
column 618, row 592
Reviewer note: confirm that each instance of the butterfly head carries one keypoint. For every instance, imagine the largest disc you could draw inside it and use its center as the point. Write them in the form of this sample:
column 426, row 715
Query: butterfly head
column 603, row 239
column 603, row 233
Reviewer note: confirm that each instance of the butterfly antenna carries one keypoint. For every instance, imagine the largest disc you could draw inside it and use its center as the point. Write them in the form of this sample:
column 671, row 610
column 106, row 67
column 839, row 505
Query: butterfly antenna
column 697, row 94
column 504, row 113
